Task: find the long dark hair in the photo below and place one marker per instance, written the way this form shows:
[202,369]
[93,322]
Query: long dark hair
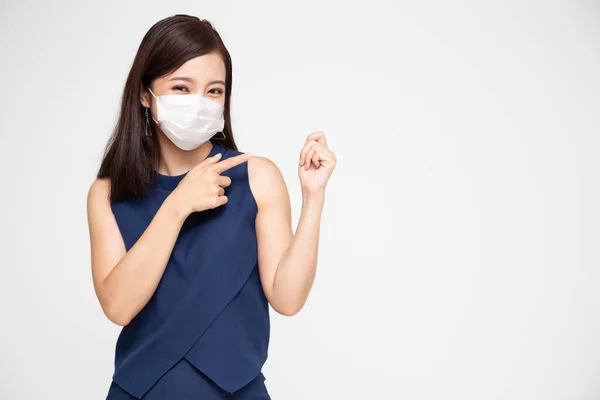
[131,158]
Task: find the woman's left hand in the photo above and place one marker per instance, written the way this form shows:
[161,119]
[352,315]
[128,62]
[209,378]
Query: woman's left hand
[315,165]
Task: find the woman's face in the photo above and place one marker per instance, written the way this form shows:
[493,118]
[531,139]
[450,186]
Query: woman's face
[201,75]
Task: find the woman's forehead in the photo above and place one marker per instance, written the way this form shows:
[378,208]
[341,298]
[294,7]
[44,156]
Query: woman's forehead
[200,70]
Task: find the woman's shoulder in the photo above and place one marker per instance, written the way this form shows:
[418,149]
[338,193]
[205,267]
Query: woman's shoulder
[99,186]
[265,179]
[98,192]
[261,168]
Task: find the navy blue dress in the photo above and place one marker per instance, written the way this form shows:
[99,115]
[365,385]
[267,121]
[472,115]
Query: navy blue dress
[205,330]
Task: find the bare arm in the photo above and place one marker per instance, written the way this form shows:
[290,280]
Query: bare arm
[125,281]
[287,261]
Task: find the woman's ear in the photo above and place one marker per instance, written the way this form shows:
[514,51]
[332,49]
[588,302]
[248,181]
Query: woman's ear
[144,97]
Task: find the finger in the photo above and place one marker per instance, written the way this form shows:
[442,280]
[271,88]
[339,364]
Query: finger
[221,191]
[309,156]
[317,158]
[223,181]
[319,137]
[221,200]
[323,157]
[326,154]
[208,161]
[230,162]
[305,150]
[313,146]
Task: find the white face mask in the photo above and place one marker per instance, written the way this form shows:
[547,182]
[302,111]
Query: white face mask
[188,120]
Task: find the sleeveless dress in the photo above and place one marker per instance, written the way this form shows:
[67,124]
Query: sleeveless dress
[205,330]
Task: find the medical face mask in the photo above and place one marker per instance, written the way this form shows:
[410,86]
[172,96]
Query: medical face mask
[188,120]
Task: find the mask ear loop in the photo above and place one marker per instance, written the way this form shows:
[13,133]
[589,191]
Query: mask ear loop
[223,138]
[148,133]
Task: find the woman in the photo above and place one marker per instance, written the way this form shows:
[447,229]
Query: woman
[191,239]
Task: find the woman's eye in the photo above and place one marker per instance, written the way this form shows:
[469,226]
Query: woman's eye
[180,88]
[218,91]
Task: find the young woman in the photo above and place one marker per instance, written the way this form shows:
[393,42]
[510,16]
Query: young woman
[191,239]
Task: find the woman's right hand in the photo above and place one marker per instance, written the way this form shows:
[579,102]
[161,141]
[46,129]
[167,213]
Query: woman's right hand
[202,188]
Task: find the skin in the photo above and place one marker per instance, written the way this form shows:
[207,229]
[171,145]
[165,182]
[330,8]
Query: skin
[125,281]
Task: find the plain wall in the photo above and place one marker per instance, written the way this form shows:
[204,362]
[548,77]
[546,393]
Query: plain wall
[459,253]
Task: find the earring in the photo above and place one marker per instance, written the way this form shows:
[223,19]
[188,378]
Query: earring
[147,123]
[221,138]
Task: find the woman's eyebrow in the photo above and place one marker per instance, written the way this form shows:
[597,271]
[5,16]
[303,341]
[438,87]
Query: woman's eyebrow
[182,78]
[217,81]
[192,80]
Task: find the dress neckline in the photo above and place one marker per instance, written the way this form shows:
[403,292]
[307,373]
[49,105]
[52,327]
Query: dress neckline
[170,182]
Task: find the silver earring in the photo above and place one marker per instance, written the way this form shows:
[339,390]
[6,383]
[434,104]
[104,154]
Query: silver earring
[221,138]
[147,123]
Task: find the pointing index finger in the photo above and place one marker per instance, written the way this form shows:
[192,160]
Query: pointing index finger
[231,162]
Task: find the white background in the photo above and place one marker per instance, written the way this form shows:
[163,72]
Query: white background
[459,253]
